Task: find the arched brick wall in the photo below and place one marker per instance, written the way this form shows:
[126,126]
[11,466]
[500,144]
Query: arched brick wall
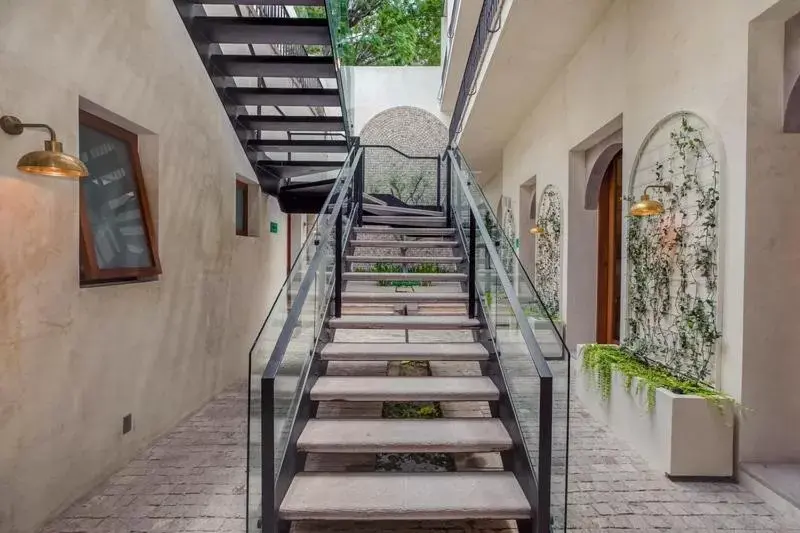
[415,132]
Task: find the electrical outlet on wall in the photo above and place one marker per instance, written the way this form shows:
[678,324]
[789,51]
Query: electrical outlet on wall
[127,423]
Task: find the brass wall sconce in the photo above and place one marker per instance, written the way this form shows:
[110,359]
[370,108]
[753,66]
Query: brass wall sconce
[646,207]
[52,161]
[536,230]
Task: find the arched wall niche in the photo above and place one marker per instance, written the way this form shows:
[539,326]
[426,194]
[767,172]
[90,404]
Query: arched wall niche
[548,250]
[671,298]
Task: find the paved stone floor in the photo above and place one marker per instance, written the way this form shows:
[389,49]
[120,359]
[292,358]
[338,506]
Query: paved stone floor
[193,480]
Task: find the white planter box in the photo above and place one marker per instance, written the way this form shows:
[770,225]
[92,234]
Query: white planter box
[683,436]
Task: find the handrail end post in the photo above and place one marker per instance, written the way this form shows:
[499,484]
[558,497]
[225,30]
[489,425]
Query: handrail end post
[471,279]
[339,261]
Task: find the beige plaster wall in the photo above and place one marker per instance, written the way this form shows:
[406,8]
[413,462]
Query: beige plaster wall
[74,361]
[644,60]
[771,280]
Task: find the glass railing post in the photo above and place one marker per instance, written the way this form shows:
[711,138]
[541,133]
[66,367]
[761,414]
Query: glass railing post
[338,260]
[359,177]
[449,190]
[545,452]
[438,182]
[269,512]
[472,280]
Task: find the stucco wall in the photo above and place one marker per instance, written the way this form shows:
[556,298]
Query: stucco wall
[644,60]
[377,89]
[771,281]
[74,361]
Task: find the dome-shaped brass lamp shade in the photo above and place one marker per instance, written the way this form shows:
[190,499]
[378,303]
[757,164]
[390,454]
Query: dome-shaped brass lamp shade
[52,161]
[646,207]
[536,230]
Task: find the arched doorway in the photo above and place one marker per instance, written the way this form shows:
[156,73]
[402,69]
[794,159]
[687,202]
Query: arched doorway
[609,254]
[527,220]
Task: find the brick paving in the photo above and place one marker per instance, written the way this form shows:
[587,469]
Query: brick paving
[193,480]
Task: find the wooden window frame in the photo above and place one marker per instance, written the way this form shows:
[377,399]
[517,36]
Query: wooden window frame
[245,231]
[91,273]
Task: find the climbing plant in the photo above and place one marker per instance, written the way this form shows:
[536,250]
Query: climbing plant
[548,250]
[507,254]
[672,291]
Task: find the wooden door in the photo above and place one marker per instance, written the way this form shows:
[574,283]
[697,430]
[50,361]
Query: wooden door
[609,254]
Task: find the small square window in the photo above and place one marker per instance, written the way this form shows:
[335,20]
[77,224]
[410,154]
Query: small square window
[242,215]
[117,238]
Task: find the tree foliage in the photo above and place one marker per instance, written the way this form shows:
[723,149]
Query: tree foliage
[389,32]
[394,32]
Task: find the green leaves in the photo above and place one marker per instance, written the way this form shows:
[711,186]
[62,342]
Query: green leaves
[394,33]
[672,261]
[603,360]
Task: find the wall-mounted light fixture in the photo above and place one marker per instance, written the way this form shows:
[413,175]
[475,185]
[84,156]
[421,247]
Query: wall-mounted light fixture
[52,161]
[646,207]
[536,230]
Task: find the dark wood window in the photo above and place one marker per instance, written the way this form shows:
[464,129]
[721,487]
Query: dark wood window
[241,208]
[117,233]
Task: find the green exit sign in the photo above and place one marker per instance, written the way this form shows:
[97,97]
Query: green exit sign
[273,227]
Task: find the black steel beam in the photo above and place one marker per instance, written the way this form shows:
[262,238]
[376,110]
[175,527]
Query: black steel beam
[283,97]
[290,123]
[253,66]
[261,30]
[283,145]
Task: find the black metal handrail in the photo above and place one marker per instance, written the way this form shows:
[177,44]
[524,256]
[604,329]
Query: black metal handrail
[457,159]
[539,492]
[436,158]
[294,315]
[341,199]
[484,29]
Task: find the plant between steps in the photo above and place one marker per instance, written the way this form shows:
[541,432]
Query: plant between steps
[423,268]
[413,462]
[601,360]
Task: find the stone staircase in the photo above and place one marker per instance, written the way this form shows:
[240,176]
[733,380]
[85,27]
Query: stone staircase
[452,495]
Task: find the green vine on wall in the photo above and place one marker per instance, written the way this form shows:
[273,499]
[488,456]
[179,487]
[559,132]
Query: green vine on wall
[548,250]
[672,258]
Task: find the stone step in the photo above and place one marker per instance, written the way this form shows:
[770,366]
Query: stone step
[426,232]
[403,389]
[404,351]
[403,244]
[404,276]
[402,220]
[400,259]
[391,210]
[405,496]
[404,297]
[440,322]
[444,435]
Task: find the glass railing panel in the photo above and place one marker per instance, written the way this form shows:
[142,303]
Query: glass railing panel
[289,374]
[525,372]
[341,39]
[548,332]
[281,354]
